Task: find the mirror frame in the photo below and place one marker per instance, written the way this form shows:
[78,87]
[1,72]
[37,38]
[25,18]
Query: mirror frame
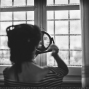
[44,49]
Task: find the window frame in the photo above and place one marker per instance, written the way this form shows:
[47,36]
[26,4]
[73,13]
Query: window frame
[40,9]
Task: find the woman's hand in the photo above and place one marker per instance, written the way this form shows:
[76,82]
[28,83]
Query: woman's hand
[54,49]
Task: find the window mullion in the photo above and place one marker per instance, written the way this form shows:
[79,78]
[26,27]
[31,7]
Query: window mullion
[40,13]
[40,20]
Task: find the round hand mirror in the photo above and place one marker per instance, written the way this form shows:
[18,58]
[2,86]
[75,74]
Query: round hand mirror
[45,42]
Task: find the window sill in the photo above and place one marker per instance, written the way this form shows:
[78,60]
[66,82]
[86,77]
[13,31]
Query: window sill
[74,75]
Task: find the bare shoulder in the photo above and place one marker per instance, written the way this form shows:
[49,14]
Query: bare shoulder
[10,73]
[45,70]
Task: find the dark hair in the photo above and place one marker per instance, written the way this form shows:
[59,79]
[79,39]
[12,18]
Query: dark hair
[22,40]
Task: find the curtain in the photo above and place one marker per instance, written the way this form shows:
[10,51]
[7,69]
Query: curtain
[84,6]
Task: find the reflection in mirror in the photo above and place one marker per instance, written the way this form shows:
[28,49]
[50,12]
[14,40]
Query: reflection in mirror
[46,40]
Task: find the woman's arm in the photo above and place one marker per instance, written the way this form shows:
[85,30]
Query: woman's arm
[59,61]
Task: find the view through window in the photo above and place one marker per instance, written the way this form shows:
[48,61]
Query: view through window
[64,26]
[9,17]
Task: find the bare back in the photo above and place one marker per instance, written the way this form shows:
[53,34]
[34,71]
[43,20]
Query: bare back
[30,73]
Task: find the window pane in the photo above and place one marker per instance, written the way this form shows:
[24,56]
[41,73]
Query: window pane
[3,42]
[75,58]
[6,15]
[50,60]
[49,2]
[5,61]
[50,27]
[4,25]
[75,27]
[61,14]
[64,55]
[46,40]
[74,1]
[30,2]
[30,22]
[20,22]
[74,14]
[30,15]
[19,2]
[61,27]
[61,1]
[19,15]
[50,15]
[4,54]
[61,42]
[75,42]
[6,2]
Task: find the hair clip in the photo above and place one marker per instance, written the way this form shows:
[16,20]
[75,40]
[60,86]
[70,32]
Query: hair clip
[10,28]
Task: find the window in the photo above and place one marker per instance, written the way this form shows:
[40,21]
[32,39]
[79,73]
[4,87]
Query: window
[60,18]
[63,24]
[13,12]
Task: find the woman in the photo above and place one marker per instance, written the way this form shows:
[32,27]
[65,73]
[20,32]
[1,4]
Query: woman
[23,40]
